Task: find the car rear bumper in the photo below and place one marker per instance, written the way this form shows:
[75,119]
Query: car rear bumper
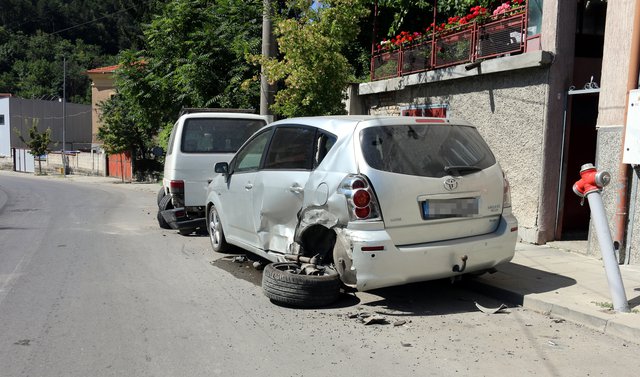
[177,219]
[407,264]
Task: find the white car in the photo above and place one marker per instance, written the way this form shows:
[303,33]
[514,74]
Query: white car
[364,201]
[199,139]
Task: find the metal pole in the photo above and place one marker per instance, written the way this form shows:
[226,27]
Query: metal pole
[64,113]
[599,218]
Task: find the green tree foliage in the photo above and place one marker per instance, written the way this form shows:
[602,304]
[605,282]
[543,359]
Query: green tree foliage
[38,143]
[35,35]
[313,69]
[194,57]
[31,66]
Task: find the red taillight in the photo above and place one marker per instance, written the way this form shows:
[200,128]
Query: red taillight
[362,213]
[361,198]
[176,187]
[358,184]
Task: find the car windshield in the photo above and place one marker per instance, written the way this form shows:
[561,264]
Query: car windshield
[425,150]
[217,135]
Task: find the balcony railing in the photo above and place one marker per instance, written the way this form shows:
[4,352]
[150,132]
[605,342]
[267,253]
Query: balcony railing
[466,44]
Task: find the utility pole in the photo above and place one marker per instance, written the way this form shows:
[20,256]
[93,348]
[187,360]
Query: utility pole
[64,113]
[267,90]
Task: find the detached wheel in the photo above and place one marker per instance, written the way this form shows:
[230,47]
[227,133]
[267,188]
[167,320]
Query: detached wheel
[216,234]
[282,283]
[165,204]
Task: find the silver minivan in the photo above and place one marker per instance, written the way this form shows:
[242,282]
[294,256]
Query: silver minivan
[368,202]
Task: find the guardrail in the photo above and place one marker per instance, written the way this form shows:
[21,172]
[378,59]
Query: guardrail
[465,44]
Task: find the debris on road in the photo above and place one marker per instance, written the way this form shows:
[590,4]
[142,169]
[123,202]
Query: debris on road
[491,310]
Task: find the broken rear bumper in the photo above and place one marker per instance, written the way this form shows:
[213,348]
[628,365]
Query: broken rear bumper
[177,218]
[397,265]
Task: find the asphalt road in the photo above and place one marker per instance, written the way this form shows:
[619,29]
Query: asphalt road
[90,286]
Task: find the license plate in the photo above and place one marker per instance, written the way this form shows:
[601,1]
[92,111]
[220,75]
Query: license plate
[446,208]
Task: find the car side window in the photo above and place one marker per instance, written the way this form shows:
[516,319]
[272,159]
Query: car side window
[323,144]
[291,148]
[248,158]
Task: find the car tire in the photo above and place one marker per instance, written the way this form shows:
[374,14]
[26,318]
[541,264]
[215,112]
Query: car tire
[165,204]
[161,194]
[283,285]
[216,233]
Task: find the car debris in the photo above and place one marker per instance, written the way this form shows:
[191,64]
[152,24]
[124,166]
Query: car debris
[375,320]
[491,310]
[240,259]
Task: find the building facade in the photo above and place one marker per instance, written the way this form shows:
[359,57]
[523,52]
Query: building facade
[545,110]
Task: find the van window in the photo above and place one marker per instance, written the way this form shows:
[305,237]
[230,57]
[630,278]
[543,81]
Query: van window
[217,135]
[425,150]
[172,138]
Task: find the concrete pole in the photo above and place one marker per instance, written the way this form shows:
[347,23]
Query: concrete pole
[267,90]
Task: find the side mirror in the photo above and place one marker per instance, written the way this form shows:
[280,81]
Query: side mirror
[222,167]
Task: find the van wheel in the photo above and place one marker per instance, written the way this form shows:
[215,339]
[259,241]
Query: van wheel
[283,284]
[161,195]
[216,234]
[165,204]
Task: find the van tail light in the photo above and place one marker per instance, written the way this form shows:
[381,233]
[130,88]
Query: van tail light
[361,200]
[506,197]
[176,188]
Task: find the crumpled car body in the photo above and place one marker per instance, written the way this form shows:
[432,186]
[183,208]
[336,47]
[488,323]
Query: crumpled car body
[382,200]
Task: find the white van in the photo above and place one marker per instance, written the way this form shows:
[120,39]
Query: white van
[199,139]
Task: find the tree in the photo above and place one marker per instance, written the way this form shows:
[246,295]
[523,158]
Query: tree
[313,69]
[194,57]
[38,143]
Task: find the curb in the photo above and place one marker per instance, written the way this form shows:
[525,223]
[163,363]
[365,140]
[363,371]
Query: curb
[613,324]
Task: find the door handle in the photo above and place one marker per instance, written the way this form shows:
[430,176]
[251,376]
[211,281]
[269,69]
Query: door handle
[248,186]
[296,189]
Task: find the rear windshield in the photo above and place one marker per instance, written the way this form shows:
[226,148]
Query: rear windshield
[209,135]
[426,150]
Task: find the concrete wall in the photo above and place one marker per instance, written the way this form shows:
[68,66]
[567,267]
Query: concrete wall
[611,113]
[86,163]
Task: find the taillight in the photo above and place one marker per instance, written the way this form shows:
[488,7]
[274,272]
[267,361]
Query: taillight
[506,197]
[361,201]
[361,198]
[176,187]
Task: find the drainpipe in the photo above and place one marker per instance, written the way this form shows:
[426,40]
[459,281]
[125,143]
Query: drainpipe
[622,211]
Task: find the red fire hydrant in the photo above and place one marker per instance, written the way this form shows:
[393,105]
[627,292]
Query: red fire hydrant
[590,184]
[591,180]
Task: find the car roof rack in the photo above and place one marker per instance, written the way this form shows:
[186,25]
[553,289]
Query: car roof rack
[190,110]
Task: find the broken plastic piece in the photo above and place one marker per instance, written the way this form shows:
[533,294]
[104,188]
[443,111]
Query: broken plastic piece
[375,320]
[491,310]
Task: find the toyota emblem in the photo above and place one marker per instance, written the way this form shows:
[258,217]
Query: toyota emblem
[450,184]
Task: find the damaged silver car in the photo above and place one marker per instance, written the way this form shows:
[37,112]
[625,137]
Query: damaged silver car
[368,202]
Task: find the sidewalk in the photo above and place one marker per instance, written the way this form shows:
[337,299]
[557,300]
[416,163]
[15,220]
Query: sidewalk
[568,285]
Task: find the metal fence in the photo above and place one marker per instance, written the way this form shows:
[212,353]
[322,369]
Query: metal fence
[466,44]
